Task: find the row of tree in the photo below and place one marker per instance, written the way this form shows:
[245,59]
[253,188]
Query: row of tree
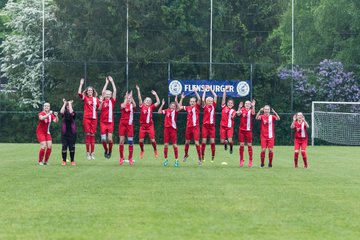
[88,38]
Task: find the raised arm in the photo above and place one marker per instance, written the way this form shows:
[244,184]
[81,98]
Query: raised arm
[203,96]
[101,99]
[70,102]
[306,123]
[276,115]
[161,107]
[62,110]
[197,95]
[132,99]
[181,101]
[293,122]
[123,104]
[214,95]
[105,86]
[241,104]
[113,86]
[139,95]
[223,101]
[253,102]
[258,114]
[157,103]
[80,87]
[56,117]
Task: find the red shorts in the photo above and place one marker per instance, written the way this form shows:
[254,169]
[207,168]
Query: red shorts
[267,142]
[106,127]
[126,129]
[226,132]
[170,133]
[208,130]
[42,137]
[146,129]
[300,143]
[192,133]
[90,125]
[245,136]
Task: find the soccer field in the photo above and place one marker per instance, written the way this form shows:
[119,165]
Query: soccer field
[102,200]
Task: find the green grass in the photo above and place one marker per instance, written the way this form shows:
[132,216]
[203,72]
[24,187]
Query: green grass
[101,200]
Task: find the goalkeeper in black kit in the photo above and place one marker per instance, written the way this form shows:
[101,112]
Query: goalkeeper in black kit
[68,131]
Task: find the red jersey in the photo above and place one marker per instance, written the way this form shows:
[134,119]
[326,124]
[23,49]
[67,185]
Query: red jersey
[127,114]
[146,114]
[107,111]
[245,119]
[170,118]
[227,116]
[267,126]
[192,115]
[209,114]
[91,104]
[300,130]
[44,125]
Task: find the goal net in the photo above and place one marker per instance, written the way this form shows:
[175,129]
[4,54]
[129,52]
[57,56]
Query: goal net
[336,122]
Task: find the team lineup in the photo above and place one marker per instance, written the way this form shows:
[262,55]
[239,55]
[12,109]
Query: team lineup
[105,103]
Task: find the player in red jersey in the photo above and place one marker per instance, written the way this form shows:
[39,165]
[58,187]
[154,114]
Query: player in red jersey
[227,121]
[245,129]
[209,118]
[107,105]
[267,132]
[126,126]
[91,104]
[146,121]
[192,124]
[300,125]
[43,133]
[170,129]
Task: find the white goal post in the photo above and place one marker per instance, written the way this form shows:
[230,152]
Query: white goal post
[336,122]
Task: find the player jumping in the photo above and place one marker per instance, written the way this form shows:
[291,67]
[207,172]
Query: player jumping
[146,121]
[107,105]
[227,121]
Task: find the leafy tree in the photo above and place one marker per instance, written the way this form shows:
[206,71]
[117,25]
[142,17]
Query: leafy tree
[21,61]
[323,30]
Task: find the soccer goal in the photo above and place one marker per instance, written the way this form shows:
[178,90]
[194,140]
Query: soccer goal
[336,122]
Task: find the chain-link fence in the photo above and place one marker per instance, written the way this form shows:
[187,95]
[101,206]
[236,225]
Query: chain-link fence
[18,123]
